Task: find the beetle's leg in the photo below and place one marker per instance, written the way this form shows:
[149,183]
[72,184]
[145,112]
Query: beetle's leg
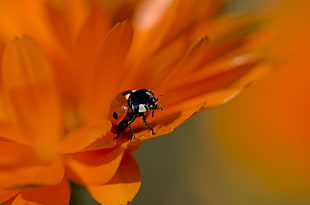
[146,124]
[132,135]
[131,120]
[125,123]
[117,136]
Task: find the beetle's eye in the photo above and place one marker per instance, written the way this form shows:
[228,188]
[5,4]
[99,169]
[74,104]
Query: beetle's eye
[115,116]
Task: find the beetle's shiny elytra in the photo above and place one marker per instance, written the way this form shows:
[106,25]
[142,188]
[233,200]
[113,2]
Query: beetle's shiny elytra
[129,105]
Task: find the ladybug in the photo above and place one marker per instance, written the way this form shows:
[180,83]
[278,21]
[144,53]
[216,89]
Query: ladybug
[129,105]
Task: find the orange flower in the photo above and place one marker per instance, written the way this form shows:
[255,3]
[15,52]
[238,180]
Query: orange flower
[63,62]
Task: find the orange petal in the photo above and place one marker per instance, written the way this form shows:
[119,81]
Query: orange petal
[64,20]
[204,13]
[82,137]
[6,195]
[32,176]
[51,195]
[207,100]
[165,121]
[109,71]
[123,187]
[13,155]
[195,57]
[3,111]
[94,167]
[14,20]
[257,73]
[35,25]
[227,62]
[235,78]
[102,143]
[71,13]
[9,132]
[182,103]
[161,64]
[191,59]
[219,89]
[30,89]
[95,28]
[152,22]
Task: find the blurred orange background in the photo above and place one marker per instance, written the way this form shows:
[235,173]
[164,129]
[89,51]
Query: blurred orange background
[267,127]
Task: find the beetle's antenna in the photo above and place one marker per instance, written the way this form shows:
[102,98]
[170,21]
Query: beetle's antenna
[157,108]
[158,97]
